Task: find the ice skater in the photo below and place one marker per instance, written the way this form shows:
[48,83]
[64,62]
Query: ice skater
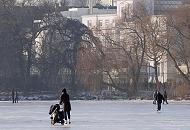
[16,96]
[13,95]
[159,99]
[165,97]
[155,96]
[66,105]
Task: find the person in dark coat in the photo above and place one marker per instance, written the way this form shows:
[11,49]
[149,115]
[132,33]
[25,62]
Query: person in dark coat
[66,103]
[155,96]
[13,95]
[16,96]
[159,99]
[165,97]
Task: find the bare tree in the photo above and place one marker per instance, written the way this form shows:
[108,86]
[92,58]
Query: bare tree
[156,28]
[62,42]
[178,40]
[129,56]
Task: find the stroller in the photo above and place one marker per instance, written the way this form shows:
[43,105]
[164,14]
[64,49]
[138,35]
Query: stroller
[56,114]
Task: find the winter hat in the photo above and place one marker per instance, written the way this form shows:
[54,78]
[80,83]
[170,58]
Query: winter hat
[64,90]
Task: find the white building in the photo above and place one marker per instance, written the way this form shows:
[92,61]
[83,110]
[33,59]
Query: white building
[128,7]
[100,21]
[109,2]
[78,13]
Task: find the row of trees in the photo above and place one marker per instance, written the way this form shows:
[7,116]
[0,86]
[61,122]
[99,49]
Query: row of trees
[40,49]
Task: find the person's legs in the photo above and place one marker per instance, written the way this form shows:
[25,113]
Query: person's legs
[65,115]
[159,106]
[69,116]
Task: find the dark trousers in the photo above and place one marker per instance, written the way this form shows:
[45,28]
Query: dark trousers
[67,113]
[159,106]
[13,100]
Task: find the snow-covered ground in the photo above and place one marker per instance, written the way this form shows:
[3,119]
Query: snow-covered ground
[97,115]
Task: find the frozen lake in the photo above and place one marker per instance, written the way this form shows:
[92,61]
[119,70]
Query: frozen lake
[97,115]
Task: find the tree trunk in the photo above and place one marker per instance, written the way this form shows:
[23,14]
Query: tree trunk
[156,74]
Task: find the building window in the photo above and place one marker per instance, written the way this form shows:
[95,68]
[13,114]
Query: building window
[113,23]
[89,23]
[100,23]
[107,22]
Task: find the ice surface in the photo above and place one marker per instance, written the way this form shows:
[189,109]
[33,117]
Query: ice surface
[97,115]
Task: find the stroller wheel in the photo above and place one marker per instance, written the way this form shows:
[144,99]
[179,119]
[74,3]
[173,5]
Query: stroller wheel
[52,122]
[62,122]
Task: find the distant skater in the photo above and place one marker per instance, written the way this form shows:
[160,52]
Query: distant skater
[155,96]
[165,97]
[13,95]
[16,96]
[66,103]
[159,99]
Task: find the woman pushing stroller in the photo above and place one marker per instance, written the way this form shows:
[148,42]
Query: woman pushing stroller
[65,101]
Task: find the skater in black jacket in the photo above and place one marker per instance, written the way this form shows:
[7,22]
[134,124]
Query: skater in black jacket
[159,99]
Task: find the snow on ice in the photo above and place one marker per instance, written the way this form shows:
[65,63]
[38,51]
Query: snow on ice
[97,115]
